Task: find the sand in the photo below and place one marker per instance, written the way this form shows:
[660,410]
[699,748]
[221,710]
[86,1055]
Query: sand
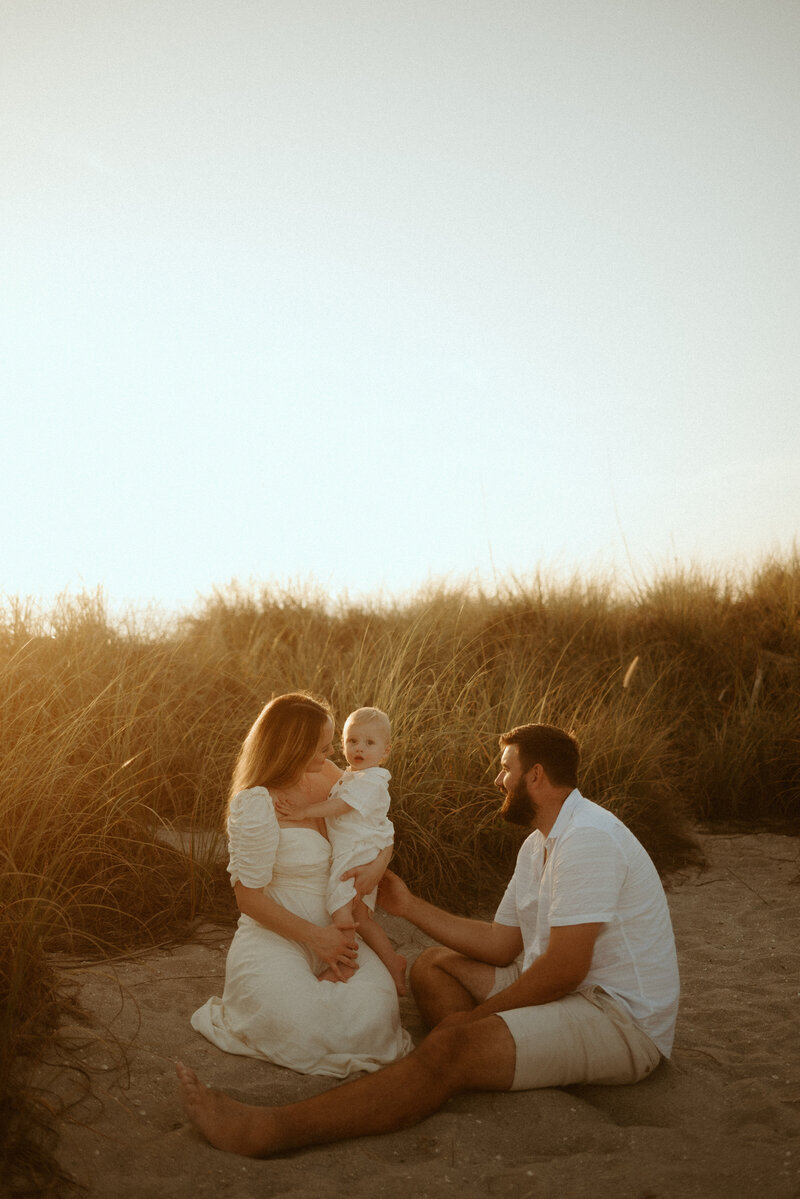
[722,1118]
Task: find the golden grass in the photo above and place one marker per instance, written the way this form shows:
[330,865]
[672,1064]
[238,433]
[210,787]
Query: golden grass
[684,697]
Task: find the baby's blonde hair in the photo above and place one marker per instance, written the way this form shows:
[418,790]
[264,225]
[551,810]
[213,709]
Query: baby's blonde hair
[367,716]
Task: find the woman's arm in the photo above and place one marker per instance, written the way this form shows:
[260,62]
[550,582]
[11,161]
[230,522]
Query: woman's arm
[334,945]
[557,972]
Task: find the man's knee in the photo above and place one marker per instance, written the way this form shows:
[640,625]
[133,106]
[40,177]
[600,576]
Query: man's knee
[432,967]
[437,964]
[430,959]
[443,1050]
[478,1055]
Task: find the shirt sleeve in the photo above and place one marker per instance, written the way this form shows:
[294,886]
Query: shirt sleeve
[507,908]
[588,872]
[253,835]
[508,911]
[368,797]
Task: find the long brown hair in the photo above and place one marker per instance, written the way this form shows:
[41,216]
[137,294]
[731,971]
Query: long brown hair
[281,742]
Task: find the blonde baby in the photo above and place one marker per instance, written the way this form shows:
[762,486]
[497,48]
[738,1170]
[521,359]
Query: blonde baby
[355,813]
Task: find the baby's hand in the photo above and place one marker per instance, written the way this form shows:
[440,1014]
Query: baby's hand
[287,810]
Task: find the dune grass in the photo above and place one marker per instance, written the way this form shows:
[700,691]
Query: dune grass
[684,697]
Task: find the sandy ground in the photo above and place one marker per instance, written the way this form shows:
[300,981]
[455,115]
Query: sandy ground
[722,1118]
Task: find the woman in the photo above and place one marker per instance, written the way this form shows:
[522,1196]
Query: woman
[274,1005]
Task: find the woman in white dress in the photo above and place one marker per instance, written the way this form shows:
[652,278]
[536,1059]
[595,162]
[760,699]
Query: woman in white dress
[274,1005]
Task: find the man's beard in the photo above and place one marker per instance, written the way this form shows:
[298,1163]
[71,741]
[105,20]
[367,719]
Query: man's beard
[518,807]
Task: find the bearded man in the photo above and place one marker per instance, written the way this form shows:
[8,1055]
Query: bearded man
[574,981]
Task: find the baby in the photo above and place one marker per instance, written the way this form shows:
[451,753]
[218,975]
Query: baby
[359,828]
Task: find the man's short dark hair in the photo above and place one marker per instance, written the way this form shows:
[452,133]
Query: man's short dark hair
[548,746]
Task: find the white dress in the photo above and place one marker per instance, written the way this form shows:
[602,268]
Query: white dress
[273,1006]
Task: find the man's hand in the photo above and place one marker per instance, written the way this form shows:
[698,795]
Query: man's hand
[393,895]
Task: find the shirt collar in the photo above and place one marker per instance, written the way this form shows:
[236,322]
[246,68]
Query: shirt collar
[564,816]
[373,772]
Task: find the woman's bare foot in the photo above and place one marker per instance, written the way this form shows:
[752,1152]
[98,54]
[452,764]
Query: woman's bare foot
[397,969]
[226,1124]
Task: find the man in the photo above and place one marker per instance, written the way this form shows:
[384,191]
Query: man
[594,998]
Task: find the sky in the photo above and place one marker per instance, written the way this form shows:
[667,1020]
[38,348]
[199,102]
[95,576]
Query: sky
[371,293]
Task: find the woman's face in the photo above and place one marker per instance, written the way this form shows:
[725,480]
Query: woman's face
[324,749]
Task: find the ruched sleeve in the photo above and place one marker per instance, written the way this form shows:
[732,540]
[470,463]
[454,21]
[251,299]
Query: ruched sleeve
[253,835]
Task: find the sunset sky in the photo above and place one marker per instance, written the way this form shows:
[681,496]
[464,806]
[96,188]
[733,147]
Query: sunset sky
[372,292]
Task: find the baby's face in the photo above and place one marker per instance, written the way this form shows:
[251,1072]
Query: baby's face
[364,745]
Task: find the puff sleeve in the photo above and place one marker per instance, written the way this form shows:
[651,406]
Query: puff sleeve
[253,835]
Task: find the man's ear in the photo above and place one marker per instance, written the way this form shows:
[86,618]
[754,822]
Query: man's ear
[534,774]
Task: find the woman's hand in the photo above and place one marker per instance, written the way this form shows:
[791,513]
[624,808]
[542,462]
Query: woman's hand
[393,894]
[337,947]
[366,878]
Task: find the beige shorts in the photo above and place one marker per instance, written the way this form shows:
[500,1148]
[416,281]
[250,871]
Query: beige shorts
[584,1037]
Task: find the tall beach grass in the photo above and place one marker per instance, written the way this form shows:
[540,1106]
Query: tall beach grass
[113,734]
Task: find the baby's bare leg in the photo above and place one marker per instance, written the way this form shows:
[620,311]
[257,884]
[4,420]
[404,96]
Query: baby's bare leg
[378,941]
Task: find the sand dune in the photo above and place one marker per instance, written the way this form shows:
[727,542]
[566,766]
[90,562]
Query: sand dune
[721,1119]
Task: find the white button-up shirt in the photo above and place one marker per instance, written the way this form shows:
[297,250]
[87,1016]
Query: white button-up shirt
[597,872]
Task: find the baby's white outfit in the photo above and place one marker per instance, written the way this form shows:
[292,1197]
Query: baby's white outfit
[359,835]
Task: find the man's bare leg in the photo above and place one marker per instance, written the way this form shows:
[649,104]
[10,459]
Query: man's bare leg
[479,1056]
[444,981]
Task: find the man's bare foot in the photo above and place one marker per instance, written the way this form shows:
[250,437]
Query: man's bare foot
[226,1124]
[397,969]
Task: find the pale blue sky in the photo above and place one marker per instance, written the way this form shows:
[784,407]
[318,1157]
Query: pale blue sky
[371,292]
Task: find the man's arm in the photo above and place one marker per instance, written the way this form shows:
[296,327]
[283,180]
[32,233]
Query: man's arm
[497,944]
[557,972]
